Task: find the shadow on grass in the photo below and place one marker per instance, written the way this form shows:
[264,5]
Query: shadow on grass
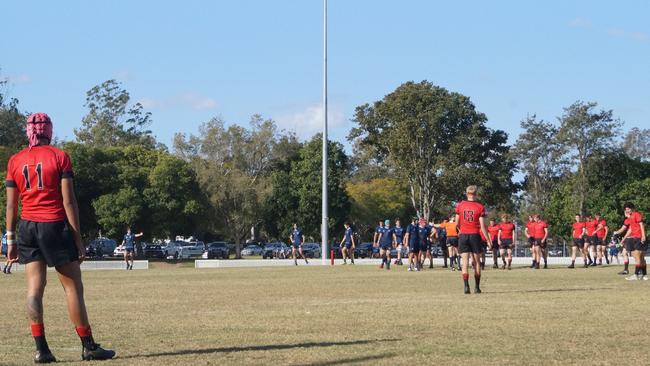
[553,290]
[345,361]
[268,347]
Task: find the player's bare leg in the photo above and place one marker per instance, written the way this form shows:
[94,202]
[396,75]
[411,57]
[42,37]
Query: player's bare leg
[502,252]
[509,258]
[36,274]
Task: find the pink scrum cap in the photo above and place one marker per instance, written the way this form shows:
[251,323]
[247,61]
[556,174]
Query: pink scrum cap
[39,125]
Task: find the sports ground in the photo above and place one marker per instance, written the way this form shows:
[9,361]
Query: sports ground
[343,315]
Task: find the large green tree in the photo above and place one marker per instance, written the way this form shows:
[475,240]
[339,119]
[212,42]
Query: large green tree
[438,142]
[586,134]
[112,120]
[540,157]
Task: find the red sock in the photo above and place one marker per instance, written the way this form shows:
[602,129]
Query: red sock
[465,276]
[626,262]
[38,330]
[84,331]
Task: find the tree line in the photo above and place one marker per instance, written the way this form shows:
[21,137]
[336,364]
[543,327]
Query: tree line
[412,152]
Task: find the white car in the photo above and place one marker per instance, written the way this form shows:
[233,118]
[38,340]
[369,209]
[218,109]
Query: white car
[191,250]
[119,251]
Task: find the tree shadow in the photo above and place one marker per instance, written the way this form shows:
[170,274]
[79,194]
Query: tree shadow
[268,347]
[350,360]
[553,290]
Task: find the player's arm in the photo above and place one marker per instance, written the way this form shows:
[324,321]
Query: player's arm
[72,214]
[619,231]
[11,214]
[456,221]
[642,231]
[290,238]
[499,237]
[303,240]
[526,232]
[481,220]
[139,235]
[354,241]
[545,234]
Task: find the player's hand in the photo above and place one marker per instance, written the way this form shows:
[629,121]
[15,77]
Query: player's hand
[82,253]
[12,253]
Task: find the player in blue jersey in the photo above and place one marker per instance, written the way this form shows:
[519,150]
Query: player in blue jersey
[7,267]
[424,237]
[411,238]
[297,238]
[348,244]
[399,238]
[128,243]
[378,230]
[386,243]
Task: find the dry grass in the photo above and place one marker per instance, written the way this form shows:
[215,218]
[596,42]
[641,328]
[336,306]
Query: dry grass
[344,315]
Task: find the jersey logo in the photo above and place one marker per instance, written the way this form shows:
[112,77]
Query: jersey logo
[468,215]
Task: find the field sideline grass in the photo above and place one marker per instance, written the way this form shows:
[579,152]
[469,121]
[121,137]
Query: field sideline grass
[343,315]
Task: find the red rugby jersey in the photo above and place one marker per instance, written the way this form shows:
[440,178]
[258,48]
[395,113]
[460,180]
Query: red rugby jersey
[494,231]
[577,229]
[37,174]
[601,233]
[633,223]
[531,228]
[591,227]
[538,232]
[469,213]
[507,229]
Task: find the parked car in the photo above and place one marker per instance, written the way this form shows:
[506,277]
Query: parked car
[190,250]
[217,249]
[101,246]
[252,249]
[364,250]
[336,247]
[94,252]
[119,251]
[311,250]
[172,249]
[276,250]
[153,251]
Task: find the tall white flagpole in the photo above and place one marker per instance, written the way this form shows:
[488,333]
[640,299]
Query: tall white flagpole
[324,233]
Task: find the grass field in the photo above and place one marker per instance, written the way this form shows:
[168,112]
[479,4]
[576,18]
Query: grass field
[343,315]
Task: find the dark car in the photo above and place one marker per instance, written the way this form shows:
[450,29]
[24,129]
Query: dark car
[364,250]
[153,251]
[218,249]
[275,250]
[94,252]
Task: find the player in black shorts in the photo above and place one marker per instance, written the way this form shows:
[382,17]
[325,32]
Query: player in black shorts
[40,178]
[470,216]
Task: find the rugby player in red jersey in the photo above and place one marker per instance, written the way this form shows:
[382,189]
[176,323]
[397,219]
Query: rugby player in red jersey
[635,240]
[40,177]
[591,240]
[540,233]
[529,230]
[493,230]
[578,234]
[601,234]
[505,240]
[470,216]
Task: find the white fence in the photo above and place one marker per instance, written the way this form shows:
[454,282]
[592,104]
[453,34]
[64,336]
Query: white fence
[95,265]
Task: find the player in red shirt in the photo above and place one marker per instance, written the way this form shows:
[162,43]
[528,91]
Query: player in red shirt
[591,240]
[505,240]
[40,177]
[493,230]
[635,240]
[529,230]
[601,234]
[470,218]
[578,233]
[540,233]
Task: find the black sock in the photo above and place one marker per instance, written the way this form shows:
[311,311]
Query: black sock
[477,278]
[41,344]
[644,270]
[626,266]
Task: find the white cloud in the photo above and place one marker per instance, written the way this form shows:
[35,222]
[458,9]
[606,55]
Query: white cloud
[193,101]
[621,33]
[580,23]
[19,79]
[308,121]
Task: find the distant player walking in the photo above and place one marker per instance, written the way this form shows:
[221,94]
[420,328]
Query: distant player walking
[399,239]
[540,233]
[578,229]
[386,242]
[451,228]
[347,244]
[493,230]
[128,243]
[470,217]
[411,239]
[6,269]
[297,238]
[529,231]
[635,240]
[41,178]
[601,235]
[505,239]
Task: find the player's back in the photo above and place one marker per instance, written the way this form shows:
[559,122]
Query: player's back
[37,174]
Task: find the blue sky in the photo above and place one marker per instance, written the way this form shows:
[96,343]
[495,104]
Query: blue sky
[189,61]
